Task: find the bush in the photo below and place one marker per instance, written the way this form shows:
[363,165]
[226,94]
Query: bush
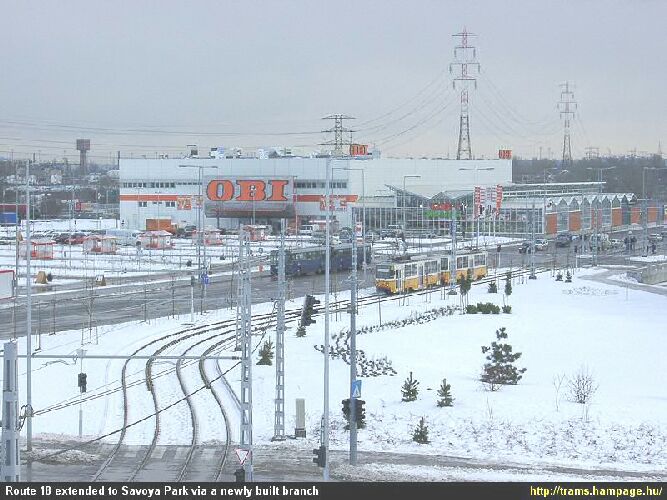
[487,308]
[266,353]
[301,331]
[507,309]
[410,389]
[500,369]
[582,386]
[559,276]
[445,394]
[568,277]
[508,283]
[471,309]
[49,277]
[493,288]
[420,434]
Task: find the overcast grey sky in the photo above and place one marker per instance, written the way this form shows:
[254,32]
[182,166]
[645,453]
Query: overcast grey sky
[266,67]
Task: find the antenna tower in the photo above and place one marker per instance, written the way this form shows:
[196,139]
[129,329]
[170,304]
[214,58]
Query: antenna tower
[338,131]
[465,60]
[566,106]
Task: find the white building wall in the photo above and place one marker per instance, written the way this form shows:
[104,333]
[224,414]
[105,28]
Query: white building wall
[155,180]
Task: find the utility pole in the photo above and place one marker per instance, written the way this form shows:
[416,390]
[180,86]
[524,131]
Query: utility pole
[28,251]
[353,354]
[246,354]
[566,106]
[465,60]
[279,423]
[325,351]
[532,275]
[10,466]
[338,131]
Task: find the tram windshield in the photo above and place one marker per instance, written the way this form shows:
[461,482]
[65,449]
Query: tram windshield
[384,272]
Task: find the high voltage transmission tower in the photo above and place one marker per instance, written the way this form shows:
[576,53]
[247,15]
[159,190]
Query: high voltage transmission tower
[465,60]
[566,106]
[338,131]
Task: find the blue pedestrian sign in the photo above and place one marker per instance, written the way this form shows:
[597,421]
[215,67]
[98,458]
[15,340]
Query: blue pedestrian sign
[356,389]
[205,279]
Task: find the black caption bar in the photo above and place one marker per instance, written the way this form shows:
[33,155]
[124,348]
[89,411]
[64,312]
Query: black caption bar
[332,490]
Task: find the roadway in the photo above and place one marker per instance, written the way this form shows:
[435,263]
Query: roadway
[169,294]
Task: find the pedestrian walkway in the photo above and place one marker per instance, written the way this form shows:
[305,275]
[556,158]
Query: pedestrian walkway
[603,277]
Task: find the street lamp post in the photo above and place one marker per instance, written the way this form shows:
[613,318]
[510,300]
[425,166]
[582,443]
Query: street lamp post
[598,213]
[363,211]
[645,214]
[408,176]
[200,206]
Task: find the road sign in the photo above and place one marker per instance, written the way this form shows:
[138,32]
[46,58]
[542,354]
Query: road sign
[242,455]
[356,389]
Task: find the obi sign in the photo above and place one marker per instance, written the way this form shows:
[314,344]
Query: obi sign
[241,197]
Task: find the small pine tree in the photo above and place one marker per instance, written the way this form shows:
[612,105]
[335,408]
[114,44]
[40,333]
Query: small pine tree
[445,394]
[559,276]
[508,283]
[409,389]
[301,331]
[568,277]
[500,369]
[266,353]
[420,434]
[493,288]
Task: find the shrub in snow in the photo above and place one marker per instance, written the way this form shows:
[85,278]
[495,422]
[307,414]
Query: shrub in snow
[582,386]
[445,394]
[559,276]
[488,308]
[465,284]
[266,353]
[409,389]
[568,277]
[500,369]
[420,434]
[49,277]
[471,309]
[301,331]
[508,283]
[507,309]
[493,288]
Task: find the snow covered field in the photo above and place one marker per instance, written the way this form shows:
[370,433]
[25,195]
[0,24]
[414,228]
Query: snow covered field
[558,327]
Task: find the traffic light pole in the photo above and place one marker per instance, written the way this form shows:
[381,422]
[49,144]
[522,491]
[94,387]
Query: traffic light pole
[353,353]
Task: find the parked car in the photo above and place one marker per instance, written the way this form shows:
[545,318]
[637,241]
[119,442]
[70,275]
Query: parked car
[563,240]
[391,231]
[541,244]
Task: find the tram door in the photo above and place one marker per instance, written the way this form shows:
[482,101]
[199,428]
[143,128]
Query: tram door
[399,278]
[420,274]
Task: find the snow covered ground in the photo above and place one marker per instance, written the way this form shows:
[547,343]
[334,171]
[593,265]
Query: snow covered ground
[558,327]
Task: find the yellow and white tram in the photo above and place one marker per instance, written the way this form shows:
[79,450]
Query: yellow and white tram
[423,272]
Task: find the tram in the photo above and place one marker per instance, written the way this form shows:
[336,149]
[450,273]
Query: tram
[311,260]
[419,273]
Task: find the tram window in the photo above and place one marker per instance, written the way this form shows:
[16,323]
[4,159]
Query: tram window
[462,262]
[431,266]
[410,270]
[480,260]
[384,272]
[444,264]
